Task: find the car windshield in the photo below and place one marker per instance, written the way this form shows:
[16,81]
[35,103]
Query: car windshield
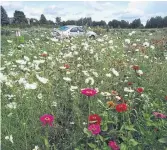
[63,28]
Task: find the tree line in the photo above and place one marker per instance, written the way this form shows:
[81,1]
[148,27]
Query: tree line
[20,19]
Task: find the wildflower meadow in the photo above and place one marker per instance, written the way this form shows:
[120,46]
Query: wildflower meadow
[107,93]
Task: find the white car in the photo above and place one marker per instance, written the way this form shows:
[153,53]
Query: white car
[72,31]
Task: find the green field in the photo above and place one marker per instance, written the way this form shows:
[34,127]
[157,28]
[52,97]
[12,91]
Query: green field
[41,75]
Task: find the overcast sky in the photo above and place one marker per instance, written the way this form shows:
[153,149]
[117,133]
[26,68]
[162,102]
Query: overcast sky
[103,10]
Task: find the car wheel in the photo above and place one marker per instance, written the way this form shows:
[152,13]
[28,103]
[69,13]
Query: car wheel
[92,37]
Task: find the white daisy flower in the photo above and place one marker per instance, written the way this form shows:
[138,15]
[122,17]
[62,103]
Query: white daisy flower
[79,65]
[86,73]
[127,41]
[115,72]
[10,138]
[12,105]
[76,53]
[73,88]
[41,79]
[54,39]
[95,74]
[72,123]
[28,86]
[39,96]
[89,79]
[111,42]
[22,81]
[62,67]
[140,72]
[108,75]
[9,41]
[146,44]
[67,79]
[36,148]
[105,93]
[21,62]
[152,47]
[54,104]
[3,78]
[26,58]
[129,90]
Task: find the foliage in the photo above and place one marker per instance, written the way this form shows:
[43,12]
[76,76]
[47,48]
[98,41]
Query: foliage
[19,18]
[42,20]
[71,65]
[4,17]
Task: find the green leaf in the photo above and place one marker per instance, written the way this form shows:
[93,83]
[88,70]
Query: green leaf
[105,127]
[86,131]
[92,145]
[123,146]
[133,142]
[130,128]
[163,140]
[101,138]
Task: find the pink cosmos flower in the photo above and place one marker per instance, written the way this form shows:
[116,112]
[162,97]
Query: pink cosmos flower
[94,128]
[47,119]
[113,145]
[159,115]
[89,92]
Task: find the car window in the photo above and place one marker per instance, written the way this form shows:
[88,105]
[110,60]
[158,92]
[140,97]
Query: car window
[75,29]
[80,29]
[63,28]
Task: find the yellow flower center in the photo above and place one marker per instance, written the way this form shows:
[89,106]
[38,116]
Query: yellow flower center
[47,118]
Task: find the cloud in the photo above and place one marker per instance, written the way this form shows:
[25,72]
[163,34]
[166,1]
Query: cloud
[12,6]
[53,10]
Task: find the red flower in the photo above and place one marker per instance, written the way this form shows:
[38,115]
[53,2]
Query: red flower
[166,97]
[94,119]
[135,67]
[89,92]
[113,145]
[44,54]
[130,83]
[121,107]
[47,119]
[94,128]
[67,66]
[140,90]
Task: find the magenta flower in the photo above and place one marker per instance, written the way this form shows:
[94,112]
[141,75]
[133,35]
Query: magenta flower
[159,115]
[47,119]
[113,145]
[89,92]
[94,128]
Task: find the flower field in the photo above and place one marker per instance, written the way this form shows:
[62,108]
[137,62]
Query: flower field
[82,94]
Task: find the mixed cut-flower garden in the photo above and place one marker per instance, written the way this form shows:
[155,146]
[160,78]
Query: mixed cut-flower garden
[109,93]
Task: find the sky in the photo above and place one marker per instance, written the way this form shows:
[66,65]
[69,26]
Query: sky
[97,10]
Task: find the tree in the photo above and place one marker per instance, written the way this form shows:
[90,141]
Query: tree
[4,17]
[58,20]
[136,23]
[124,24]
[51,22]
[165,21]
[19,18]
[114,23]
[155,22]
[34,21]
[43,20]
